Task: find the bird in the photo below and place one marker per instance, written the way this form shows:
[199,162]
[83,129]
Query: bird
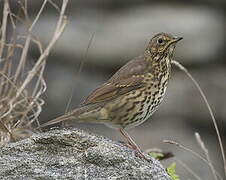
[132,94]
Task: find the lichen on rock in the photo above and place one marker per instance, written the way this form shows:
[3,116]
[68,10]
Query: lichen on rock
[74,154]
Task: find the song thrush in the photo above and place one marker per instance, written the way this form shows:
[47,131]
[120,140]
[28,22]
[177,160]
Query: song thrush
[132,94]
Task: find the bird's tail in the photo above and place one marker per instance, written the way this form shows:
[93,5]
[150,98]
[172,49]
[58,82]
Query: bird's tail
[81,114]
[62,118]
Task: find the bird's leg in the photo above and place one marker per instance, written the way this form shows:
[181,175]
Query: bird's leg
[132,144]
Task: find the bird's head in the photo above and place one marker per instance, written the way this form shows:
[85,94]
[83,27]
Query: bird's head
[162,44]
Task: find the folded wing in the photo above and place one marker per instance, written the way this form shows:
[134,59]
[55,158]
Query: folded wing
[126,79]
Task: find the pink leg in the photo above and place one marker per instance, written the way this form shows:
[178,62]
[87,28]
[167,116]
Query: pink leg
[132,144]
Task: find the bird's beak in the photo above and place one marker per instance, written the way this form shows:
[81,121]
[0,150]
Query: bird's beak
[176,39]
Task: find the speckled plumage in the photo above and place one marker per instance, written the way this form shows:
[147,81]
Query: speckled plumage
[136,106]
[133,93]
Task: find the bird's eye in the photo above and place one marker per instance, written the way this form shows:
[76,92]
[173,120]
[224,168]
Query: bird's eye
[160,41]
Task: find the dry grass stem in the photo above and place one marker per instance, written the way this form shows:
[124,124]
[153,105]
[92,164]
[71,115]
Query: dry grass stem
[192,152]
[202,145]
[22,85]
[186,149]
[3,27]
[181,67]
[79,71]
[185,166]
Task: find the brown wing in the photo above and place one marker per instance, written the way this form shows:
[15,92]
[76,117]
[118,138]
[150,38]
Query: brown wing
[127,78]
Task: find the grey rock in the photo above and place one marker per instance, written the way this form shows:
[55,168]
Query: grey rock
[74,154]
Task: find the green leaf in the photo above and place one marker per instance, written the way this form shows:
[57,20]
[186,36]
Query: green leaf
[156,155]
[171,170]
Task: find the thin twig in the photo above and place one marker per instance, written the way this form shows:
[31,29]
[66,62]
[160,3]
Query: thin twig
[23,57]
[19,106]
[181,67]
[186,149]
[202,145]
[4,25]
[45,53]
[79,72]
[12,20]
[37,16]
[54,5]
[185,166]
[28,39]
[190,151]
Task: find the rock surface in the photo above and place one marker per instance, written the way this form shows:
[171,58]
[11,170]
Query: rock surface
[74,154]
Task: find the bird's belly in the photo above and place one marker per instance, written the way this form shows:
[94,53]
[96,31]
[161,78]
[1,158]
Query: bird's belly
[135,107]
[147,108]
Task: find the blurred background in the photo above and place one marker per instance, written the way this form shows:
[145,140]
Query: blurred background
[116,31]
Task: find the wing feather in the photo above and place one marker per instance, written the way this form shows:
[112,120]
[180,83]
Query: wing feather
[126,79]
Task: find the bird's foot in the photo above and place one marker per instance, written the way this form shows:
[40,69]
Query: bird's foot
[141,155]
[136,150]
[132,145]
